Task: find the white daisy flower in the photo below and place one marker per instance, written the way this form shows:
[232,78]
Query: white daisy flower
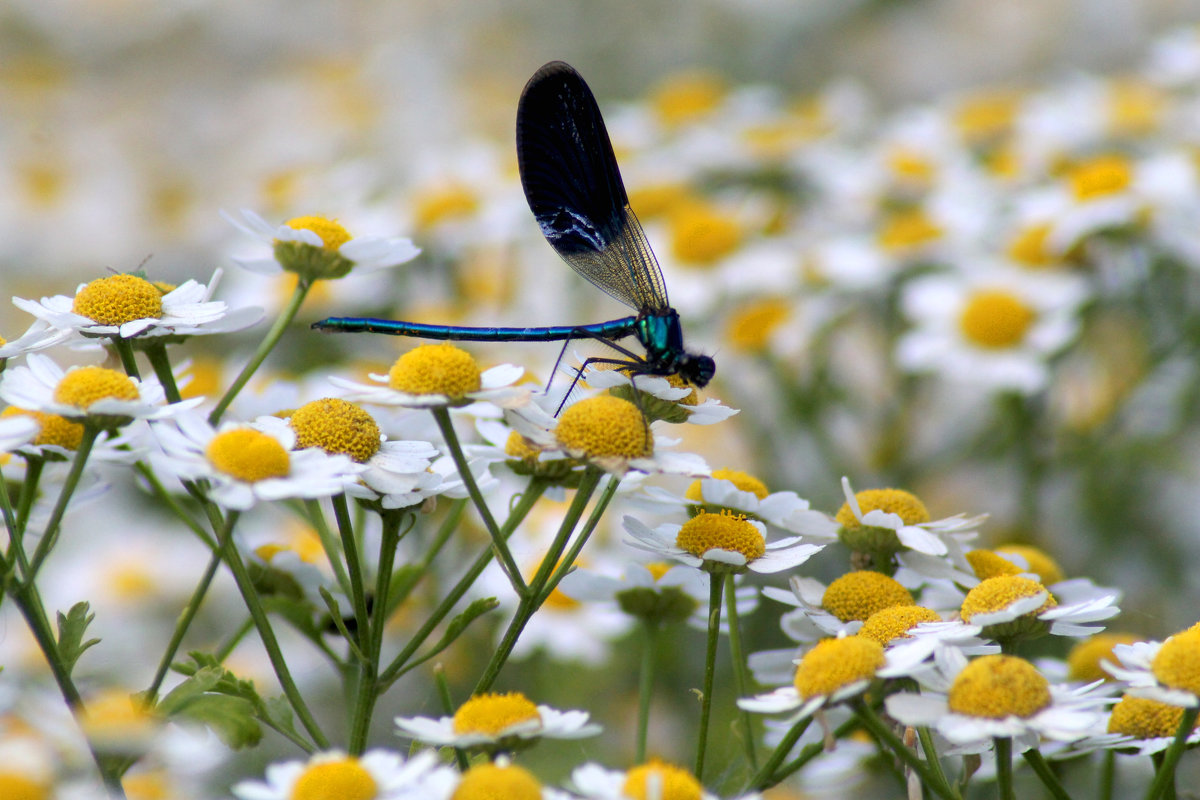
[998,696]
[125,306]
[499,778]
[96,394]
[1162,671]
[679,402]
[38,336]
[244,464]
[1010,607]
[917,532]
[435,375]
[497,722]
[299,242]
[1137,725]
[376,775]
[914,653]
[654,779]
[838,609]
[720,543]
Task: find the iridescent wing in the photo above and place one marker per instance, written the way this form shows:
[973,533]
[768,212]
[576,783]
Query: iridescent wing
[574,188]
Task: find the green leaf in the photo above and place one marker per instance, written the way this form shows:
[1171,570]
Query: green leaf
[71,628]
[232,719]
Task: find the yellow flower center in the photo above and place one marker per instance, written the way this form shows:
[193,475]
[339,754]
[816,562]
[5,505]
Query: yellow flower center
[910,165]
[605,426]
[498,782]
[995,319]
[749,327]
[340,779]
[835,663]
[894,623]
[657,569]
[17,786]
[206,380]
[687,95]
[998,593]
[450,201]
[723,531]
[248,455]
[518,447]
[55,429]
[906,230]
[1177,663]
[336,426]
[84,386]
[1135,108]
[1029,246]
[701,235]
[154,785]
[859,594]
[999,686]
[987,114]
[1039,562]
[1143,718]
[1100,176]
[118,299]
[113,716]
[658,780]
[1083,662]
[742,480]
[332,234]
[649,202]
[903,504]
[435,369]
[492,713]
[987,564]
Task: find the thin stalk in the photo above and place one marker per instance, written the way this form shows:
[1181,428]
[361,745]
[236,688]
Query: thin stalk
[222,652]
[1108,774]
[740,672]
[125,352]
[715,586]
[1002,746]
[171,503]
[182,625]
[1164,776]
[266,634]
[870,720]
[264,349]
[50,535]
[446,425]
[33,475]
[354,568]
[763,778]
[156,352]
[1034,758]
[807,754]
[931,754]
[439,675]
[650,637]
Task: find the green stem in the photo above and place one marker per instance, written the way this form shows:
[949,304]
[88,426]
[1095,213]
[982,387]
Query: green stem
[403,588]
[241,576]
[740,672]
[1004,768]
[50,535]
[1164,776]
[15,554]
[1108,774]
[764,777]
[646,685]
[537,592]
[715,586]
[167,499]
[182,625]
[931,754]
[809,753]
[354,567]
[443,687]
[125,352]
[33,476]
[530,497]
[446,425]
[222,652]
[567,562]
[1035,759]
[870,720]
[264,349]
[156,352]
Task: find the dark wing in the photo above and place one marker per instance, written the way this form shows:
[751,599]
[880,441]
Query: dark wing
[574,188]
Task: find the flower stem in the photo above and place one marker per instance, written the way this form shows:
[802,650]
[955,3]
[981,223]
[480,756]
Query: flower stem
[1164,776]
[871,721]
[125,353]
[50,535]
[446,425]
[764,777]
[646,684]
[715,586]
[354,567]
[1004,771]
[741,678]
[264,349]
[182,625]
[1034,758]
[156,352]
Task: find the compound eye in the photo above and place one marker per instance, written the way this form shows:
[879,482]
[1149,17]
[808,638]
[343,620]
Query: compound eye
[699,370]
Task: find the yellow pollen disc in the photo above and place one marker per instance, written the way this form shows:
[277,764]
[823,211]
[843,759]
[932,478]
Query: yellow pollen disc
[205,374]
[1039,562]
[911,165]
[701,235]
[1029,246]
[1100,176]
[706,531]
[343,779]
[857,595]
[336,426]
[686,95]
[435,369]
[114,715]
[332,234]
[1143,718]
[742,480]
[55,429]
[154,785]
[987,115]
[519,447]
[1083,662]
[677,382]
[492,713]
[16,786]
[452,201]
[995,319]
[1177,663]
[1135,108]
[118,299]
[749,327]
[998,593]
[605,426]
[657,569]
[906,230]
[248,455]
[84,386]
[986,564]
[995,687]
[496,782]
[834,663]
[649,202]
[894,623]
[671,782]
[903,504]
